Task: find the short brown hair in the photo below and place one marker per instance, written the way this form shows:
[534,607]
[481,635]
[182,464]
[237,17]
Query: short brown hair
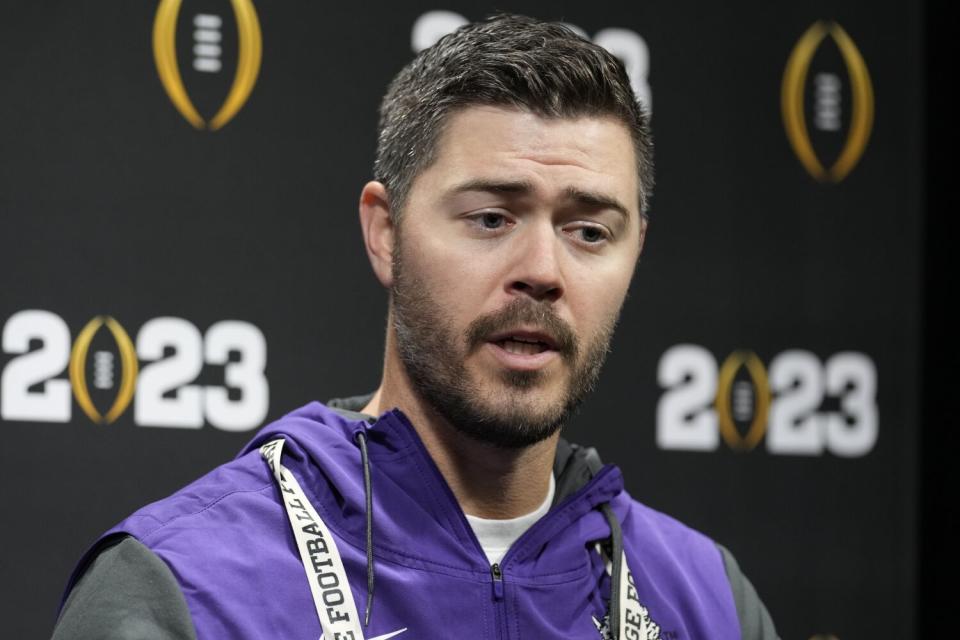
[505,60]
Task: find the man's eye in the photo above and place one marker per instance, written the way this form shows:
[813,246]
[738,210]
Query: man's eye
[491,220]
[591,234]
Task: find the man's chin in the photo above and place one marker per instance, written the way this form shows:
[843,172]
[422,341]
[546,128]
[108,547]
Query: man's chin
[530,391]
[510,431]
[514,418]
[523,382]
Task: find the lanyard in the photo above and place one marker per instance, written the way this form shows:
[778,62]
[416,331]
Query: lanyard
[635,621]
[318,551]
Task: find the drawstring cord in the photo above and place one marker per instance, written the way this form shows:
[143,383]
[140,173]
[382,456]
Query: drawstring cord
[616,538]
[368,494]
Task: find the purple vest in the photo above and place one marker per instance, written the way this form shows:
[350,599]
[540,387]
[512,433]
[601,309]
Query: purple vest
[228,542]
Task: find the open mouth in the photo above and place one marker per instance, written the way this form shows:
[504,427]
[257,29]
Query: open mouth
[525,342]
[523,346]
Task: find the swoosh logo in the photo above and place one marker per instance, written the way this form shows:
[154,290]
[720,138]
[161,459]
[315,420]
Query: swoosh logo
[383,637]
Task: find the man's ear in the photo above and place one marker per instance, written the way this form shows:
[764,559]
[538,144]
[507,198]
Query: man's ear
[644,223]
[378,230]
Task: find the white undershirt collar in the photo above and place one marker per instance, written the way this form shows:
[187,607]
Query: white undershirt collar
[496,536]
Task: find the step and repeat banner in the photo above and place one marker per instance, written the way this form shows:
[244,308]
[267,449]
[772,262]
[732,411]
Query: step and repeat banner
[181,262]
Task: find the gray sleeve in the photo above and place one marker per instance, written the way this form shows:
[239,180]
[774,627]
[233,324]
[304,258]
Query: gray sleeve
[755,621]
[127,593]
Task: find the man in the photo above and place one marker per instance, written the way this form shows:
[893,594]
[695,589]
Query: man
[513,175]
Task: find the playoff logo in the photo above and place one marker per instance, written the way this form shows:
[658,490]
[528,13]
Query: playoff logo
[798,404]
[207,52]
[838,96]
[158,373]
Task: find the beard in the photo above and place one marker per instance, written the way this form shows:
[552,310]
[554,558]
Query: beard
[513,415]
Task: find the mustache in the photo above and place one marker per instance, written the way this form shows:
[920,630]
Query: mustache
[527,313]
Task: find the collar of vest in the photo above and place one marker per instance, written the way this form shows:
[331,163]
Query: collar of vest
[409,490]
[574,466]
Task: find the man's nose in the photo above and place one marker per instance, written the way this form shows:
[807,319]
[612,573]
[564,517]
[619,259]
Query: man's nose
[537,270]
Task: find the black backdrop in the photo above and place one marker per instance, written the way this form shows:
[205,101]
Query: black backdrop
[114,205]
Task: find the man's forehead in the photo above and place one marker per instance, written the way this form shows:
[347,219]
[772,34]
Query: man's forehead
[492,144]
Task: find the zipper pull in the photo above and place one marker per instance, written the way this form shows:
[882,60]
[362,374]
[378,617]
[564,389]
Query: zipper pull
[497,581]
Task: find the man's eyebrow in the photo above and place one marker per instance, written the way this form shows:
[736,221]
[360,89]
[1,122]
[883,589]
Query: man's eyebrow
[589,199]
[595,200]
[494,186]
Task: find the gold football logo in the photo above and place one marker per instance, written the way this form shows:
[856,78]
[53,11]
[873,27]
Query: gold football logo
[758,375]
[792,102]
[250,46]
[78,377]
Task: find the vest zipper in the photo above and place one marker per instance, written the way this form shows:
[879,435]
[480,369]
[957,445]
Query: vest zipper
[497,581]
[496,569]
[500,609]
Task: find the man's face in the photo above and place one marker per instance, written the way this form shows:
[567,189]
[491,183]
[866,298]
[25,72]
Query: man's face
[513,258]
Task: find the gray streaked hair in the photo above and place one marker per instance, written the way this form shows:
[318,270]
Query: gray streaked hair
[505,60]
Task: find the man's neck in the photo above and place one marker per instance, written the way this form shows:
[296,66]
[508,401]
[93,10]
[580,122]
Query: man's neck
[488,481]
